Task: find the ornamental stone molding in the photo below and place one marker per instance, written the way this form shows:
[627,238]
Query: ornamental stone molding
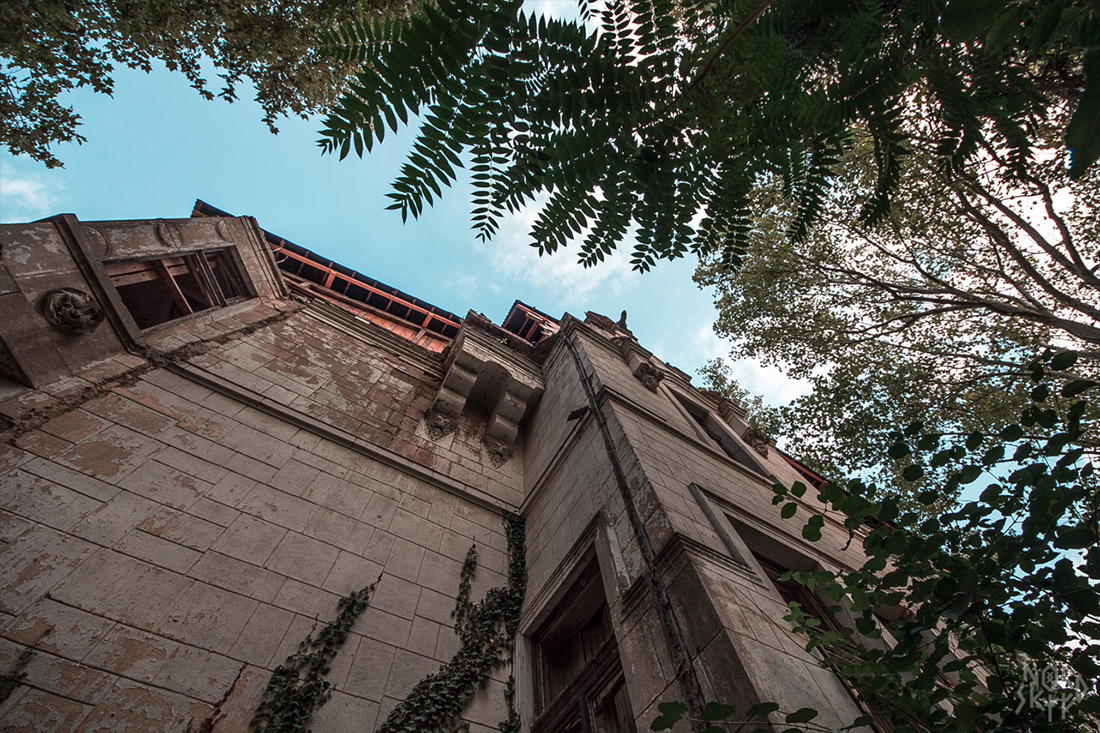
[482,370]
[603,322]
[649,375]
[757,440]
[169,234]
[72,311]
[438,424]
[499,453]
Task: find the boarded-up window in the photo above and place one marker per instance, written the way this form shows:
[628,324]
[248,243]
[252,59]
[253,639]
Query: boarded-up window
[162,290]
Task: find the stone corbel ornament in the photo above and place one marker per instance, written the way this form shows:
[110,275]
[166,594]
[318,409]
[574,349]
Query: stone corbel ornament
[498,452]
[757,440]
[72,311]
[438,424]
[491,375]
[649,375]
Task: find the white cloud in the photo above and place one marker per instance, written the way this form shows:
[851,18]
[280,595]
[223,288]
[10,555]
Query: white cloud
[563,10]
[466,284]
[559,273]
[706,344]
[24,197]
[556,9]
[768,381]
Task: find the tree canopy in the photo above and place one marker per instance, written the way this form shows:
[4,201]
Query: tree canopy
[659,119]
[927,316]
[48,47]
[896,200]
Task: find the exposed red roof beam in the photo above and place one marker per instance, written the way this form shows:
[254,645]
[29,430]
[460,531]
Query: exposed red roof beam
[331,275]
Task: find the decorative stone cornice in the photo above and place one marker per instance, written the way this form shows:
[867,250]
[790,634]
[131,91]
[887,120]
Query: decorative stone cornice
[438,424]
[498,452]
[757,440]
[482,369]
[603,322]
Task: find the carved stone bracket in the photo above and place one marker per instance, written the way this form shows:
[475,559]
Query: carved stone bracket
[649,375]
[438,424]
[499,453]
[484,371]
[222,230]
[72,311]
[757,440]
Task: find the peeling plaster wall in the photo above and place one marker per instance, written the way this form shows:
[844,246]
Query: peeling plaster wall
[174,521]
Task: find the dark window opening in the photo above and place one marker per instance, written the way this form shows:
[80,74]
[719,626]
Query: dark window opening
[579,685]
[725,443]
[159,291]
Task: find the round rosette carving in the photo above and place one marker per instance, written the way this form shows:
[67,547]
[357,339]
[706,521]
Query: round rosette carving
[72,311]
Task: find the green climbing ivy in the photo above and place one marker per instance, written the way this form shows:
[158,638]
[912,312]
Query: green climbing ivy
[298,688]
[487,630]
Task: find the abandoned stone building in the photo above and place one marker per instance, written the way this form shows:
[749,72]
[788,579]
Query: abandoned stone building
[212,435]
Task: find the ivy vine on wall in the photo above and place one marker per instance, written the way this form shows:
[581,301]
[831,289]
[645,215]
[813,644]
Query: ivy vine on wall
[298,687]
[487,630]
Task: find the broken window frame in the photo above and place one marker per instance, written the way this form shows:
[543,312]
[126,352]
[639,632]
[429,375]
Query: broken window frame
[713,431]
[194,281]
[812,604]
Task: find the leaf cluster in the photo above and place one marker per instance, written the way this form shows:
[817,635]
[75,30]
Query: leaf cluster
[716,716]
[49,47]
[931,314]
[657,118]
[950,608]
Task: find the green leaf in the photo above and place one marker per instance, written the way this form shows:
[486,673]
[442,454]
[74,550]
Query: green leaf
[802,715]
[812,530]
[1075,538]
[912,473]
[1083,131]
[898,450]
[1077,386]
[798,489]
[964,20]
[1046,23]
[789,510]
[1063,360]
[717,711]
[762,710]
[671,713]
[970,474]
[1004,30]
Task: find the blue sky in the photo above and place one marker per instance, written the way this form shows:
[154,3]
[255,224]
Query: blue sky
[156,146]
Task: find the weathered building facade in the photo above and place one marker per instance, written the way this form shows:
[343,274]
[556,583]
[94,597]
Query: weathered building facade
[212,435]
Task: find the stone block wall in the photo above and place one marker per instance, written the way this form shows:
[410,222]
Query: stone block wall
[171,531]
